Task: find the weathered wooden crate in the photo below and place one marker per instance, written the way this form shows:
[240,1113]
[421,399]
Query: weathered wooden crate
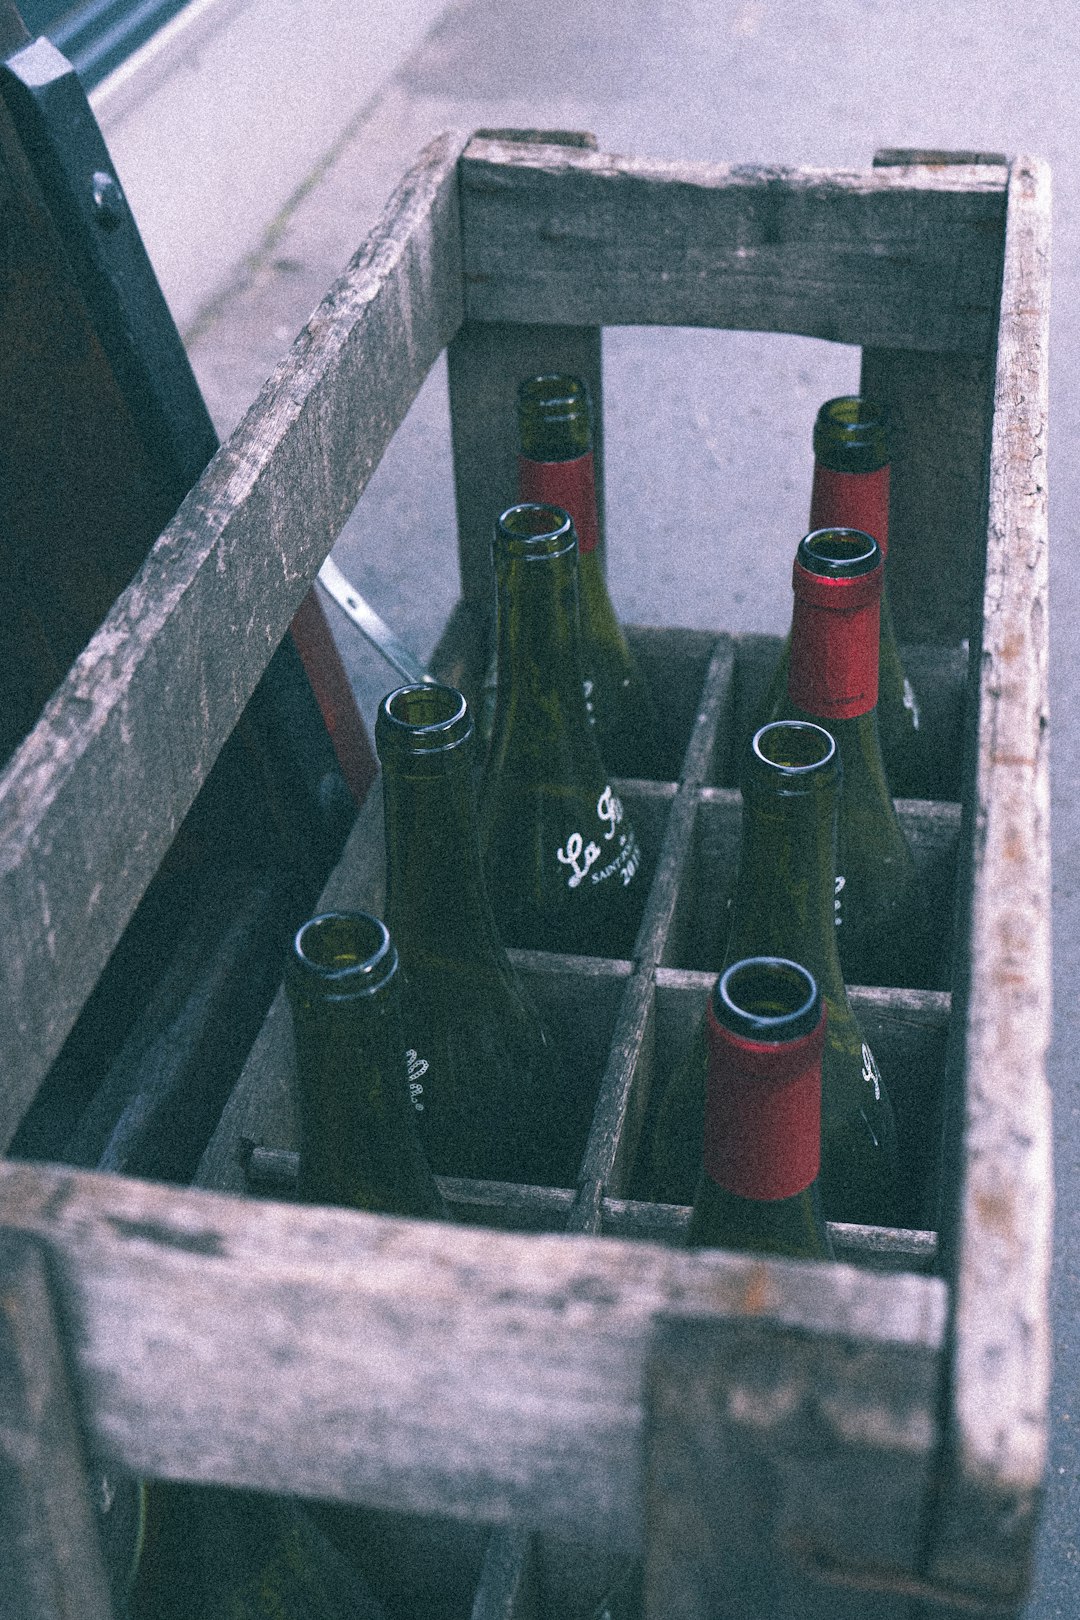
[771,1438]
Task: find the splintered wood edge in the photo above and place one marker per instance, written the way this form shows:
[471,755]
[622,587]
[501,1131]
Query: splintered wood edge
[91,800]
[1001,1360]
[497,1377]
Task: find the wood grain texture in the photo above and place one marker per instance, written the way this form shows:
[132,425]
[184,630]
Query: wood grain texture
[586,238]
[1000,1238]
[428,1368]
[777,1458]
[51,1566]
[91,800]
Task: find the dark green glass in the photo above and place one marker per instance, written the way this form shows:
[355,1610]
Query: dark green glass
[359,1141]
[493,1103]
[215,1554]
[555,467]
[563,862]
[784,905]
[881,913]
[851,491]
[774,1007]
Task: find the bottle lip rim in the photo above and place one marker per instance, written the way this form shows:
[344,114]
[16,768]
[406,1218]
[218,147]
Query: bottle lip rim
[552,538]
[399,736]
[363,977]
[872,415]
[568,380]
[794,772]
[800,1019]
[864,558]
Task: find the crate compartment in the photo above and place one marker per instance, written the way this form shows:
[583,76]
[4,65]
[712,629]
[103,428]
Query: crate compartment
[699,927]
[937,673]
[907,1030]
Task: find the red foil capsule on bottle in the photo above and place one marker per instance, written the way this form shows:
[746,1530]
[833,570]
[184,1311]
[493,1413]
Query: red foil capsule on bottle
[570,484]
[835,635]
[847,500]
[763,1111]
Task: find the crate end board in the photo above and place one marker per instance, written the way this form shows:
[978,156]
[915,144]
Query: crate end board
[887,258]
[497,1377]
[90,801]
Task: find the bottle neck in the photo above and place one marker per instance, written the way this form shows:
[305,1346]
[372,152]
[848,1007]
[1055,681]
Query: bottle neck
[538,639]
[762,1112]
[835,636]
[851,500]
[569,484]
[785,898]
[436,898]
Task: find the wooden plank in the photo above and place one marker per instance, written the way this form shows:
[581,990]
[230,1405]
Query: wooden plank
[778,1464]
[1000,1228]
[510,1207]
[51,1566]
[414,1366]
[91,799]
[887,258]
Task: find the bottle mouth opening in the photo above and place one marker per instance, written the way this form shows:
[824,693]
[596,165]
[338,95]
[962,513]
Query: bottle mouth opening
[851,415]
[535,530]
[838,553]
[348,949]
[422,718]
[767,998]
[555,395]
[794,747]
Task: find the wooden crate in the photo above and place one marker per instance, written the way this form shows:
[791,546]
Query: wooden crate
[771,1438]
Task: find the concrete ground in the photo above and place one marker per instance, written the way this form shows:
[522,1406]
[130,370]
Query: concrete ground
[708,433]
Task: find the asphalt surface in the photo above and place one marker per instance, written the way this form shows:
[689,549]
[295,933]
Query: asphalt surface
[708,455]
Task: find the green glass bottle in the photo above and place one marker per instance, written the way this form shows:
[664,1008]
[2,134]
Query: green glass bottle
[758,1190]
[555,468]
[359,1139]
[491,1099]
[851,491]
[784,905]
[562,858]
[832,678]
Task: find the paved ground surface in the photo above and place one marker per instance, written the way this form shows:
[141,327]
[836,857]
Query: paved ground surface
[708,434]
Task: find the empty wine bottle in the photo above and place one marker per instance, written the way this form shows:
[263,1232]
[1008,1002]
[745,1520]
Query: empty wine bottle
[555,468]
[359,1139]
[832,678]
[851,491]
[562,859]
[758,1189]
[784,905]
[490,1094]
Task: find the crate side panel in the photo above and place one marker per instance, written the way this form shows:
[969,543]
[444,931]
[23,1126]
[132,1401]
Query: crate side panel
[90,802]
[495,1378]
[780,1464]
[1000,1229]
[879,258]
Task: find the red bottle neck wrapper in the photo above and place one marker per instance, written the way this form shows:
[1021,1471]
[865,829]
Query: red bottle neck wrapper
[835,634]
[569,484]
[852,501]
[763,1112]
